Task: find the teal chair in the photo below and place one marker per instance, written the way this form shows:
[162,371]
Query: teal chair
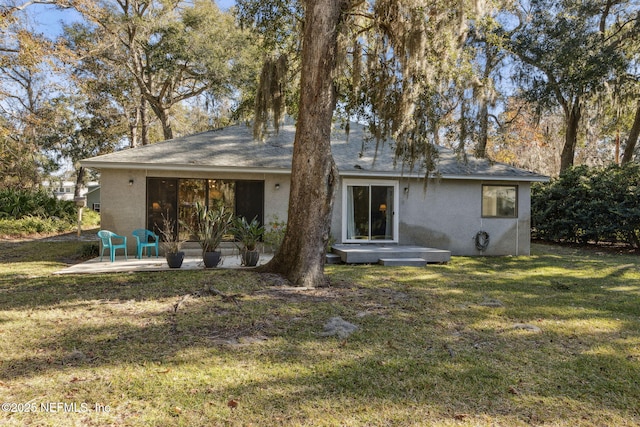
[107,238]
[145,239]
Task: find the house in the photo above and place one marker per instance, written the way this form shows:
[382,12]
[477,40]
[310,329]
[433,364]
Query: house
[93,196]
[466,201]
[64,190]
[61,190]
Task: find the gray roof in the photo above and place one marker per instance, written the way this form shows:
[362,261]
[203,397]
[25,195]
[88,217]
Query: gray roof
[234,149]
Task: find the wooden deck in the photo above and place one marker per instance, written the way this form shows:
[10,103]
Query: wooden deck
[390,254]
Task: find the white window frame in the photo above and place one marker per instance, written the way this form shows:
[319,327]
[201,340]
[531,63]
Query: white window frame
[375,183]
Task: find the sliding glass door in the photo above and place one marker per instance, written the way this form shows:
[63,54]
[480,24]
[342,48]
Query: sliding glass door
[369,211]
[175,199]
[162,202]
[190,192]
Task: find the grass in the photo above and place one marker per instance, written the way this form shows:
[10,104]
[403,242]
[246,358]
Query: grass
[446,345]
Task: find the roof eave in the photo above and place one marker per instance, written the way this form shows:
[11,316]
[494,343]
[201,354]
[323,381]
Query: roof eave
[414,175]
[182,167]
[536,178]
[89,163]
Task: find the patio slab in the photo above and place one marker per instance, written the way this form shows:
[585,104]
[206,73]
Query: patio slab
[122,265]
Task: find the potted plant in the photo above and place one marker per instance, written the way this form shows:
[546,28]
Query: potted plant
[248,235]
[171,243]
[210,227]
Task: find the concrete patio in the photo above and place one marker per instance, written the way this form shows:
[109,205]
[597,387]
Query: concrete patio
[122,265]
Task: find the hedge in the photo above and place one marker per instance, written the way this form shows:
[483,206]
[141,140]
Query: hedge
[589,205]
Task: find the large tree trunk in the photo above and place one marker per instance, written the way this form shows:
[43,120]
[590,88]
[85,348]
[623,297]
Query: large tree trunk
[483,138]
[571,136]
[161,112]
[165,121]
[314,176]
[144,122]
[634,133]
[133,129]
[80,172]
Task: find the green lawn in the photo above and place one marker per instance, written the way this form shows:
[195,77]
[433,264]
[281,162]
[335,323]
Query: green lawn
[551,339]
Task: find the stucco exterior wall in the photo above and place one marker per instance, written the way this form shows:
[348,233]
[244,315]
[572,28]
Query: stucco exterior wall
[276,197]
[448,216]
[123,206]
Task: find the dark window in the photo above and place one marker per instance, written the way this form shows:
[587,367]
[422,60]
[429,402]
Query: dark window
[250,200]
[162,202]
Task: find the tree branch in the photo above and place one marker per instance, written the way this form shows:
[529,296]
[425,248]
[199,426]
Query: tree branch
[7,10]
[605,15]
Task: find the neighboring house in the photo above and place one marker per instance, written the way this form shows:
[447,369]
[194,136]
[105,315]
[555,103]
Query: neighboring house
[377,202]
[93,196]
[64,190]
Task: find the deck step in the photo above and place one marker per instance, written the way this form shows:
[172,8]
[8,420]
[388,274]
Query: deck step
[333,259]
[371,254]
[404,262]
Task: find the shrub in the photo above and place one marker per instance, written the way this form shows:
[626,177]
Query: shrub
[274,233]
[90,217]
[18,204]
[33,225]
[589,204]
[24,212]
[88,251]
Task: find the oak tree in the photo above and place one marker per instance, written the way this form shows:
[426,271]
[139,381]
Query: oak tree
[174,50]
[567,50]
[393,51]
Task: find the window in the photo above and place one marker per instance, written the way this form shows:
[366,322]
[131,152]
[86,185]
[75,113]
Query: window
[176,198]
[500,201]
[369,211]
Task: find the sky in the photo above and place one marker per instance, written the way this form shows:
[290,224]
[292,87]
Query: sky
[49,20]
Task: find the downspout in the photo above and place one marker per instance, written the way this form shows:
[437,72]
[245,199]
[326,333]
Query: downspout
[517,236]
